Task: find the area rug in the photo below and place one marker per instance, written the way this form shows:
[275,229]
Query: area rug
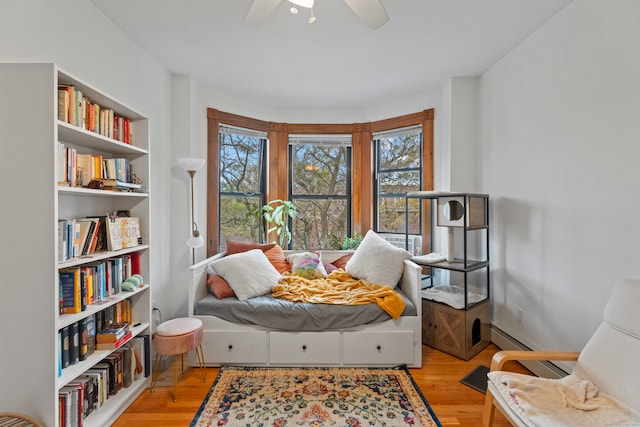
[243,396]
[477,379]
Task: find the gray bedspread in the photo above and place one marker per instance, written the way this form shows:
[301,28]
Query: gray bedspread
[284,315]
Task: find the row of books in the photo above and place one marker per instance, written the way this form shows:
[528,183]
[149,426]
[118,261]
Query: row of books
[81,236]
[79,169]
[84,236]
[90,391]
[79,340]
[76,108]
[93,283]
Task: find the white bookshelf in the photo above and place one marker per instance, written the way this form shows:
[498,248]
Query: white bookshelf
[32,204]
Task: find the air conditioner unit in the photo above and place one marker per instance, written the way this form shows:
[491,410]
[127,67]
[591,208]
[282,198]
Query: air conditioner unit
[398,240]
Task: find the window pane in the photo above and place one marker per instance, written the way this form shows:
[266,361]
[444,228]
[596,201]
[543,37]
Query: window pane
[318,221]
[391,215]
[398,182]
[319,169]
[240,163]
[238,220]
[399,152]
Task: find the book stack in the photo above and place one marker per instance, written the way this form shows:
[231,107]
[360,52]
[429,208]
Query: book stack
[113,336]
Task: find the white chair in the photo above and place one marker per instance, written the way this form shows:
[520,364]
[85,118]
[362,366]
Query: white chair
[604,385]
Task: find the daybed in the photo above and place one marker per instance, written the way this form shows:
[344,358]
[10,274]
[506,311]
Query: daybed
[381,343]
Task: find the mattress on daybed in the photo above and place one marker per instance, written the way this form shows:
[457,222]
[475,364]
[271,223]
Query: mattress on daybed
[275,313]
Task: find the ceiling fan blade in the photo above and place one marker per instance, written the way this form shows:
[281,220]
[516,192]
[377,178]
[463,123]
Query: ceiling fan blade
[260,10]
[370,11]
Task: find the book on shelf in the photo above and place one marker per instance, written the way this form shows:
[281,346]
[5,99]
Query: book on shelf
[102,374]
[70,289]
[86,395]
[123,232]
[112,333]
[100,239]
[68,403]
[87,229]
[115,344]
[93,390]
[64,346]
[87,336]
[115,360]
[139,358]
[111,382]
[127,366]
[74,343]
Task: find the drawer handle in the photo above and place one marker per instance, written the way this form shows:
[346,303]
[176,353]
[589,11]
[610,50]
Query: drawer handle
[379,348]
[230,347]
[304,347]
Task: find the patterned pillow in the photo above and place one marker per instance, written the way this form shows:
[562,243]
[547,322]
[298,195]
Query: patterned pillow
[307,265]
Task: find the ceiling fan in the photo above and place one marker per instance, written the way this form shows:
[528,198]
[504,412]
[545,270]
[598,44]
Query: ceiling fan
[371,12]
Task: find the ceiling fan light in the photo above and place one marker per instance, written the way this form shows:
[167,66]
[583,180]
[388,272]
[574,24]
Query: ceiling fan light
[293,10]
[303,3]
[312,19]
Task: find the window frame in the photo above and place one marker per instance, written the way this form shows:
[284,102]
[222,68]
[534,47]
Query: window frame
[376,138]
[348,190]
[262,176]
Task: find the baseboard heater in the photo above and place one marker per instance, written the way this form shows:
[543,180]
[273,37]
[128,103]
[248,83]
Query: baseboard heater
[543,369]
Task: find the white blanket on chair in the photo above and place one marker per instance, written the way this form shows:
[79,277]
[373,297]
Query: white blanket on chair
[569,401]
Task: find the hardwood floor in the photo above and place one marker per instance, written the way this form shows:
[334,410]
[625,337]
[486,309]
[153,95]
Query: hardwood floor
[439,380]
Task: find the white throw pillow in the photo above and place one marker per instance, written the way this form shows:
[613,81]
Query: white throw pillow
[250,274]
[377,261]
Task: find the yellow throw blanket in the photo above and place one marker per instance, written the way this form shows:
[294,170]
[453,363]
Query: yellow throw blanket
[339,288]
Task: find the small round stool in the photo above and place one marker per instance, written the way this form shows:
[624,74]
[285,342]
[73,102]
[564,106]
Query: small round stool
[178,336]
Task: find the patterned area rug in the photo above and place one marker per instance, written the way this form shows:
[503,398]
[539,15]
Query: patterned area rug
[242,396]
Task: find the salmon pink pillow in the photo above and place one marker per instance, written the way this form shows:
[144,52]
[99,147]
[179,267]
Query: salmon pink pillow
[219,287]
[277,258]
[235,247]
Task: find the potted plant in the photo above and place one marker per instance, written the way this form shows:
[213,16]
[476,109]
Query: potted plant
[277,214]
[346,243]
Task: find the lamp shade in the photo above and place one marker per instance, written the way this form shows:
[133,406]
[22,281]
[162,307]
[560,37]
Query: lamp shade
[303,3]
[191,163]
[195,241]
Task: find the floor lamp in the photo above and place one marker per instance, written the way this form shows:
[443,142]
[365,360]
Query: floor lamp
[192,165]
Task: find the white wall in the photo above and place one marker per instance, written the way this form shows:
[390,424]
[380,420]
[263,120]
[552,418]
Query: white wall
[560,143]
[82,41]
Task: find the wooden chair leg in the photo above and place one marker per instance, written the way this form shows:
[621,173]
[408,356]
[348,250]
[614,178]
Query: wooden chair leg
[489,410]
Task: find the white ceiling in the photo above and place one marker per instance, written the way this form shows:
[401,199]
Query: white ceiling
[337,61]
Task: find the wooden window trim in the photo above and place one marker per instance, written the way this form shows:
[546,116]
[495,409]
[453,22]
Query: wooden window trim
[278,163]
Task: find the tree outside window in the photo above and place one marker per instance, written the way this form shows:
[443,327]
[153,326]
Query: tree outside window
[398,171]
[321,189]
[242,184]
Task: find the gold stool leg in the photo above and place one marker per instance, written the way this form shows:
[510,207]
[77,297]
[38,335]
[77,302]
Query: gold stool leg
[156,370]
[175,378]
[200,356]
